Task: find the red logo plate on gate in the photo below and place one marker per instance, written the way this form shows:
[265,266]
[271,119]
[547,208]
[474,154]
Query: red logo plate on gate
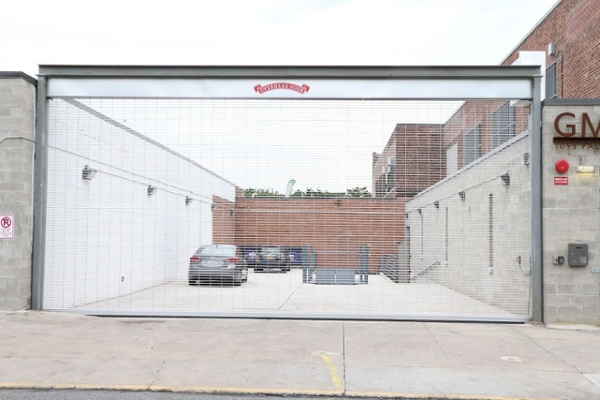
[260,89]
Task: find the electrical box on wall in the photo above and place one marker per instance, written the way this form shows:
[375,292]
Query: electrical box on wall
[578,254]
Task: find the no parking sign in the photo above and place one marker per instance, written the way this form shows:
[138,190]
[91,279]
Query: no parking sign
[7,226]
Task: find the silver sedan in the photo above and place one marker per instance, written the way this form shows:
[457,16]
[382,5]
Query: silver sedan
[220,263]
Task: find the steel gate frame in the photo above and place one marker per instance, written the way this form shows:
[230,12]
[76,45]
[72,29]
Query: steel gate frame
[342,82]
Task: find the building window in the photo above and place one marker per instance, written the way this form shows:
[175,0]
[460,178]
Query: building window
[491,233]
[472,145]
[503,124]
[452,160]
[551,92]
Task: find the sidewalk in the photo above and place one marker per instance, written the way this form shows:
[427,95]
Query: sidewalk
[287,357]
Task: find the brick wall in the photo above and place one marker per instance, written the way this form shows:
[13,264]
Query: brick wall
[574,26]
[334,227]
[223,221]
[420,160]
[478,113]
[382,181]
[17,97]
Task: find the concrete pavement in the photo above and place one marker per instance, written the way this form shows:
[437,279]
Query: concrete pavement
[288,357]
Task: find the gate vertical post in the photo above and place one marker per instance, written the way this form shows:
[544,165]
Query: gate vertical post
[40,196]
[360,263]
[363,264]
[537,281]
[365,271]
[305,263]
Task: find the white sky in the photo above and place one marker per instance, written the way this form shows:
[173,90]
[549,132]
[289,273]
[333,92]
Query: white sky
[268,32]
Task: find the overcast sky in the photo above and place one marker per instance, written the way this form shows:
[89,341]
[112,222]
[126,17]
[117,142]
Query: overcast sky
[263,32]
[271,32]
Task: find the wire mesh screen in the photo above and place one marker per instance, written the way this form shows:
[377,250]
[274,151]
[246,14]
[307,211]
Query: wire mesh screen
[331,208]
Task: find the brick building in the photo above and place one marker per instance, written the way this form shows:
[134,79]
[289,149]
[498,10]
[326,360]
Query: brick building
[486,140]
[412,161]
[567,39]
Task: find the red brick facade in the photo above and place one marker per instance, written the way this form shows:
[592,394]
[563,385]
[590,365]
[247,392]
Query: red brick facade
[223,221]
[419,160]
[574,27]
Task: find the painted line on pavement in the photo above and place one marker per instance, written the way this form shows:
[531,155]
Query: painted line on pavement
[337,382]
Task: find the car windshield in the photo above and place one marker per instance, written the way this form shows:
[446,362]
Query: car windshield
[218,251]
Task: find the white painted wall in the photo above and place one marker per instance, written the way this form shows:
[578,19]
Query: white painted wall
[106,237]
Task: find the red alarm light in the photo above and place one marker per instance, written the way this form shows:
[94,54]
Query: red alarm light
[562,166]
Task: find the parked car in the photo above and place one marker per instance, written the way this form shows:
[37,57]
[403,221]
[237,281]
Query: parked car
[269,257]
[220,263]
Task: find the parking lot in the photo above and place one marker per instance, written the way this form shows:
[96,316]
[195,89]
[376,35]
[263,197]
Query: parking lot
[284,294]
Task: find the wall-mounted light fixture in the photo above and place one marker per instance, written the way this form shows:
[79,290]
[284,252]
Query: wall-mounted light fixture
[151,190]
[462,195]
[436,204]
[505,178]
[586,168]
[88,173]
[188,200]
[552,49]
[419,211]
[213,207]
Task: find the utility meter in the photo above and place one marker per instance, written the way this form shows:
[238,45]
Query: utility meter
[578,254]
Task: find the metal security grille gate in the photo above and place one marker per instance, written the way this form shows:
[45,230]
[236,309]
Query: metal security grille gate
[317,192]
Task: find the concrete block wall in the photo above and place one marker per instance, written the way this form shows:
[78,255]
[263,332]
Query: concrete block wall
[571,214]
[17,119]
[479,244]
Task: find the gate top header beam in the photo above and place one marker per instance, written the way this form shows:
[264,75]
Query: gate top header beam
[346,72]
[323,82]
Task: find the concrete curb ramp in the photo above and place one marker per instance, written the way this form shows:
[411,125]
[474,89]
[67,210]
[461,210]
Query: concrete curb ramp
[267,392]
